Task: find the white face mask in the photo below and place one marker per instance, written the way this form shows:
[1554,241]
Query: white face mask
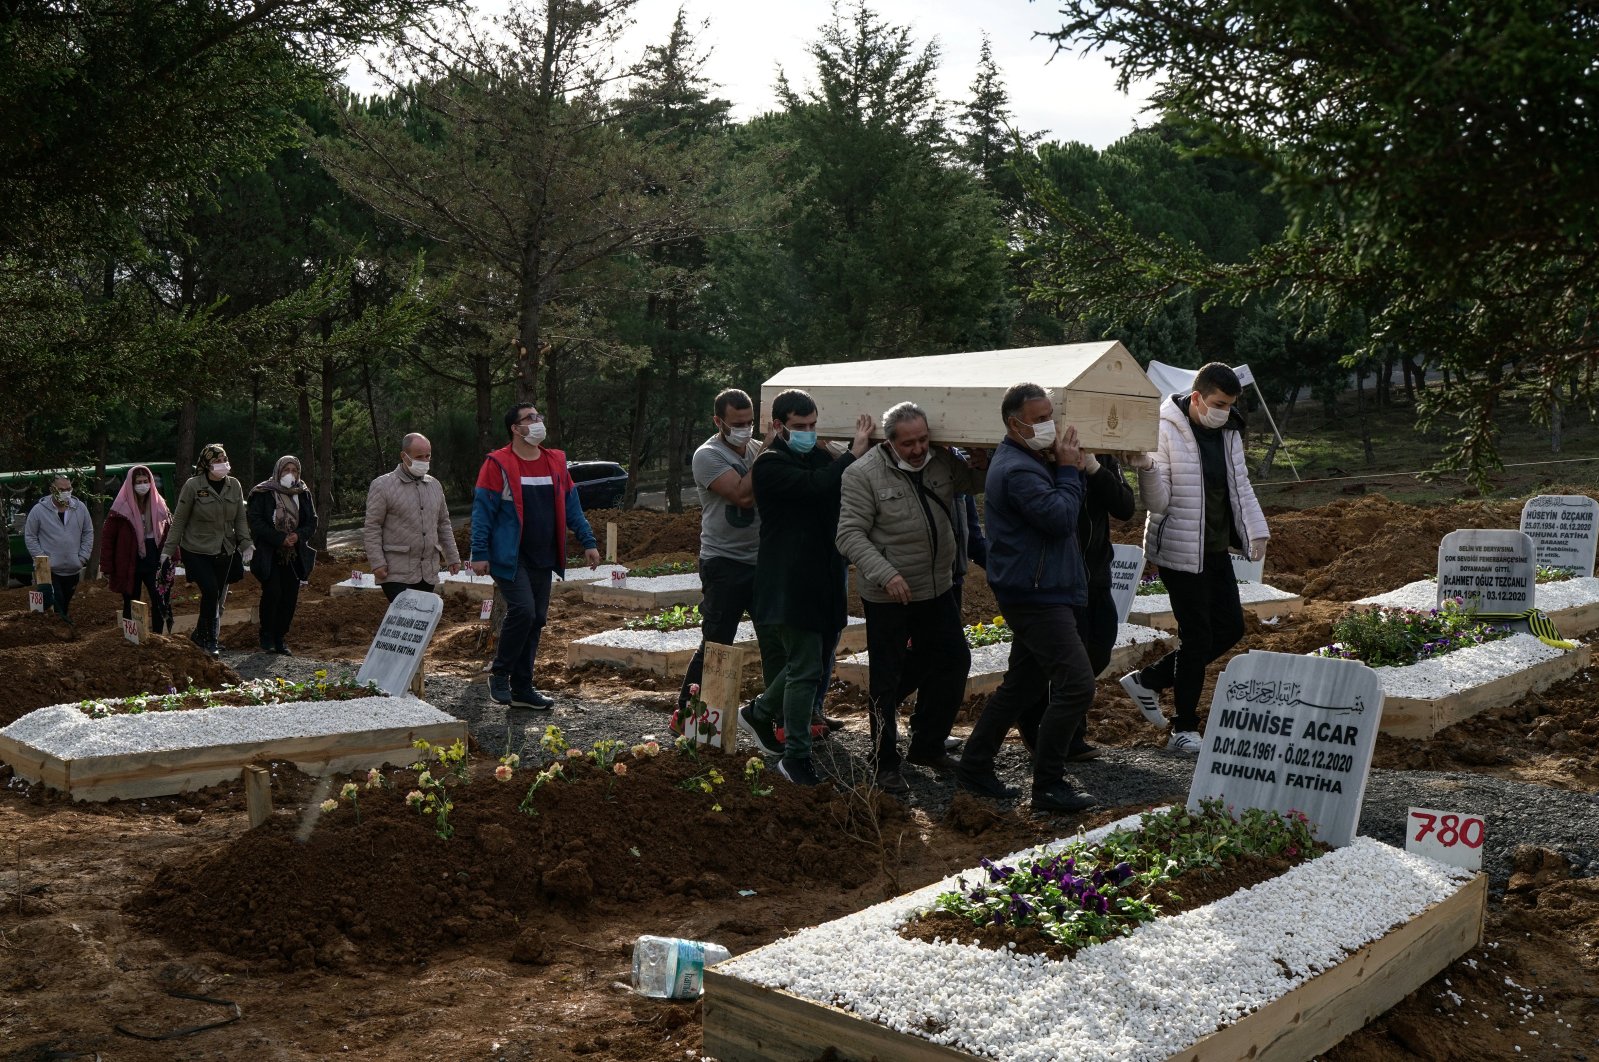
[63,496]
[1043,436]
[908,467]
[533,434]
[419,467]
[141,488]
[221,468]
[1214,417]
[287,479]
[741,436]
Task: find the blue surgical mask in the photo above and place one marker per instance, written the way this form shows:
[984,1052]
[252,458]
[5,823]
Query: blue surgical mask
[801,442]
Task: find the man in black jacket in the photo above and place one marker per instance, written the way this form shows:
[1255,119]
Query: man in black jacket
[799,577]
[1107,495]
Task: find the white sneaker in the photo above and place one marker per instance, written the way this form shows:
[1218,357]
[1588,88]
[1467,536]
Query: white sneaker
[1148,700]
[1186,742]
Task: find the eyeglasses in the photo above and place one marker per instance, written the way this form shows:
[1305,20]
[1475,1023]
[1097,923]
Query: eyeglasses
[532,418]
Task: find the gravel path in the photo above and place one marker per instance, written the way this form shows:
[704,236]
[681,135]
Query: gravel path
[1517,813]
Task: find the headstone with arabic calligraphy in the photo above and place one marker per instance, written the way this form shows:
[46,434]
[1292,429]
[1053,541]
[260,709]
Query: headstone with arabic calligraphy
[1292,733]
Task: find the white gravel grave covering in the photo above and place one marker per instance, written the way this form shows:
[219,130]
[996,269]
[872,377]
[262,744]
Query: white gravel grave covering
[1248,594]
[672,641]
[1143,997]
[657,583]
[66,733]
[1464,669]
[1422,595]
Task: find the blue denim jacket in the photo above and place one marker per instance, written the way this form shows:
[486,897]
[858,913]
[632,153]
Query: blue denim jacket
[1031,511]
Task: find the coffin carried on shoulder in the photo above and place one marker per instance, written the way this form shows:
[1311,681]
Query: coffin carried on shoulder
[1098,388]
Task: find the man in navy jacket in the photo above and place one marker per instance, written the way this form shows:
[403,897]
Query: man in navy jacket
[1035,569]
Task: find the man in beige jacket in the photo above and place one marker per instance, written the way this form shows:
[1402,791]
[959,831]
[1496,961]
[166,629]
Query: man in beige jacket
[897,525]
[407,531]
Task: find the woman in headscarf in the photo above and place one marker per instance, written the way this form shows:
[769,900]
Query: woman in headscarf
[209,525]
[282,521]
[130,545]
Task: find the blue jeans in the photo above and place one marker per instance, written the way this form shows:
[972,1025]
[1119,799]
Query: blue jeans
[527,606]
[791,662]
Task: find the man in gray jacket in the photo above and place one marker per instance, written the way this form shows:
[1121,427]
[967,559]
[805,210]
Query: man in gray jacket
[407,531]
[898,525]
[59,527]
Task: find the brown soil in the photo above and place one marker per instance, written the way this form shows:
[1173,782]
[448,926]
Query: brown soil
[512,963]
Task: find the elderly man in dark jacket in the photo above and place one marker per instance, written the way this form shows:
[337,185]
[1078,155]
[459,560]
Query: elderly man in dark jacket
[1035,569]
[899,526]
[799,577]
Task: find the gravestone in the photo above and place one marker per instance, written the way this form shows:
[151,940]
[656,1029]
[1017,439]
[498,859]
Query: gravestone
[1292,733]
[1490,570]
[1562,528]
[395,658]
[1248,571]
[1126,565]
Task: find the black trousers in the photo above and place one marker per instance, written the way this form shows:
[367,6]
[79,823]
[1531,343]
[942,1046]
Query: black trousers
[1047,659]
[280,594]
[209,572]
[729,592]
[1097,626]
[938,659]
[62,587]
[1210,620]
[394,590]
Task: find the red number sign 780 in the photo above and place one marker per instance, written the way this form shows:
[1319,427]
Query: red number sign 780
[1451,829]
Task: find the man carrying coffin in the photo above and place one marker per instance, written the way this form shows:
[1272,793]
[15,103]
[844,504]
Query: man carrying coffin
[1035,569]
[799,577]
[898,524]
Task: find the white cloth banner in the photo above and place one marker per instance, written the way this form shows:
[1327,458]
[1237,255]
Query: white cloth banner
[1175,381]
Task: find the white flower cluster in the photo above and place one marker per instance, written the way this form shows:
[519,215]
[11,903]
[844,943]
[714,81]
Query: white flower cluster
[66,733]
[1143,997]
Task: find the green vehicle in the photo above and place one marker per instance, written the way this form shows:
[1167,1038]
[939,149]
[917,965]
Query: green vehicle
[19,491]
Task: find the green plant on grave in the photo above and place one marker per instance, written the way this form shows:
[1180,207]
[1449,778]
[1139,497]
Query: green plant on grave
[754,772]
[669,568]
[980,634]
[431,795]
[1150,587]
[352,793]
[604,753]
[676,618]
[1398,637]
[553,741]
[705,782]
[259,691]
[553,771]
[1549,573]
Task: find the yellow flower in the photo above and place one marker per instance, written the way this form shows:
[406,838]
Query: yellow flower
[716,807]
[349,791]
[329,805]
[999,621]
[321,672]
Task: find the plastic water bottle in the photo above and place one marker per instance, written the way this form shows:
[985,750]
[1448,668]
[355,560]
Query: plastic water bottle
[669,968]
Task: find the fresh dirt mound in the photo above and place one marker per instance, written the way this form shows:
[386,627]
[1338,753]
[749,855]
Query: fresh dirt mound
[641,533]
[1352,549]
[102,664]
[389,889]
[33,628]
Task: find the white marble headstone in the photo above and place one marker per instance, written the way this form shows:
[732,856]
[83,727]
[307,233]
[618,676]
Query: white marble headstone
[1292,733]
[1490,570]
[402,638]
[1562,527]
[1126,565]
[1247,570]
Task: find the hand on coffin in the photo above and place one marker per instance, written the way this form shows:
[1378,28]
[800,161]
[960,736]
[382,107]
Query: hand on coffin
[1140,462]
[1066,451]
[863,434]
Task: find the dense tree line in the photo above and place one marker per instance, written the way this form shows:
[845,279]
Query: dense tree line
[205,236]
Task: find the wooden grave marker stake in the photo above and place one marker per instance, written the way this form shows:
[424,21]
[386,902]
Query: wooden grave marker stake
[416,680]
[719,684]
[41,570]
[610,543]
[135,628]
[257,794]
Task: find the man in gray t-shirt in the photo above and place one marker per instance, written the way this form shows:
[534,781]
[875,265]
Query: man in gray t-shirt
[730,531]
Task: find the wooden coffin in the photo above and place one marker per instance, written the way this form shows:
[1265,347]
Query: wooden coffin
[1098,388]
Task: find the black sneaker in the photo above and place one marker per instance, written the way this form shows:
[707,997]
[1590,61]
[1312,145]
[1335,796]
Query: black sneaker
[530,698]
[800,772]
[891,781]
[1082,751]
[833,725]
[500,689]
[1061,798]
[761,731]
[941,762]
[984,783]
[953,743]
[281,649]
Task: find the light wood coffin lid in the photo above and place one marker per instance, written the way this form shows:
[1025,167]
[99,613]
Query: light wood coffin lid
[1098,387]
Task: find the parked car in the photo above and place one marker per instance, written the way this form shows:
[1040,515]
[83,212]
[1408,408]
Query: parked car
[600,484]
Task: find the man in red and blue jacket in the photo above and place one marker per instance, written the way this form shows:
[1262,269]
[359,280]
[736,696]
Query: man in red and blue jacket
[522,506]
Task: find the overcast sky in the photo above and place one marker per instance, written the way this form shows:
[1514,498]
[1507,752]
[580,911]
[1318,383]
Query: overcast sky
[1073,97]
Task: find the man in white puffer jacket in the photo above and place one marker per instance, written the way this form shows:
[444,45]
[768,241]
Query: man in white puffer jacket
[1201,506]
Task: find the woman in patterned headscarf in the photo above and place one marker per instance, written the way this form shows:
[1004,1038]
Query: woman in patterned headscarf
[209,526]
[130,545]
[282,522]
